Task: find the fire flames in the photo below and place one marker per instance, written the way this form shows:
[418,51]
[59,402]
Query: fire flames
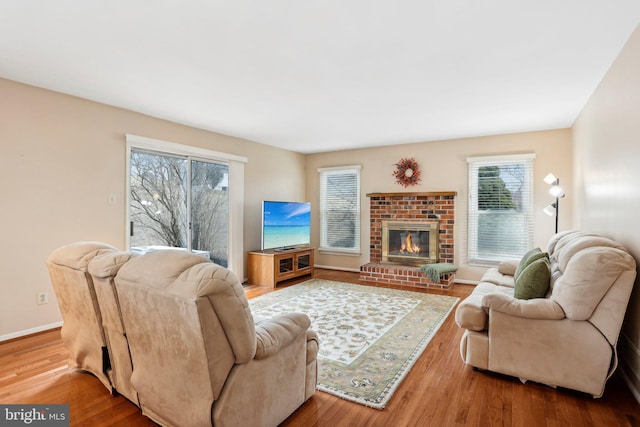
[408,246]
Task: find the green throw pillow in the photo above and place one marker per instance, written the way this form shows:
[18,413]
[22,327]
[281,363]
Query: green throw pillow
[527,259]
[533,281]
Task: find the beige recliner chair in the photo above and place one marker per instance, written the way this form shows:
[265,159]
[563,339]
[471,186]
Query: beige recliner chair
[82,330]
[103,269]
[199,358]
[567,338]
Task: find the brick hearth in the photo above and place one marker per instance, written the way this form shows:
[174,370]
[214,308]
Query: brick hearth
[433,207]
[392,274]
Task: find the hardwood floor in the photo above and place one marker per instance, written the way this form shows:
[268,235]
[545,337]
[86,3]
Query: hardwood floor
[439,391]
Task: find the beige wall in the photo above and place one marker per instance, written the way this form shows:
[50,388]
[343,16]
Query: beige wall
[60,159]
[444,168]
[607,176]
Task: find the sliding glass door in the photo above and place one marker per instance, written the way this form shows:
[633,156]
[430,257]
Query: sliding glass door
[210,209]
[179,202]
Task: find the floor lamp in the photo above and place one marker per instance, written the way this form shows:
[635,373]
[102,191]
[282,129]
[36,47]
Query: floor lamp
[557,192]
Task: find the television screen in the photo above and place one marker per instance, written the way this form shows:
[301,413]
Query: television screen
[285,224]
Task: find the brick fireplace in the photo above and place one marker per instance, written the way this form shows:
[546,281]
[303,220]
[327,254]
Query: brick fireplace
[428,221]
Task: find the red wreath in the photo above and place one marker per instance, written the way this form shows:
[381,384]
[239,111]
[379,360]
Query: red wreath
[407,172]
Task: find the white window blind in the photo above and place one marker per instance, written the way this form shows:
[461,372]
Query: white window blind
[500,208]
[340,209]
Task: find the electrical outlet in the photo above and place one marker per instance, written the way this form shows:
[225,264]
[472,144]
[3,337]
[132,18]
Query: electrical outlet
[43,297]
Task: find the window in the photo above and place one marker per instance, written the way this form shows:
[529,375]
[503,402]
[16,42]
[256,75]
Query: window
[500,208]
[340,209]
[180,197]
[179,202]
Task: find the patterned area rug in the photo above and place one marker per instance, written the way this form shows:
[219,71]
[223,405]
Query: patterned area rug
[369,337]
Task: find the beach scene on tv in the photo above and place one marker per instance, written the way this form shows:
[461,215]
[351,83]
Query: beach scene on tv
[285,224]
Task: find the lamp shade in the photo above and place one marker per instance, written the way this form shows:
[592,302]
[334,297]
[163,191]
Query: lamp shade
[550,210]
[550,178]
[556,191]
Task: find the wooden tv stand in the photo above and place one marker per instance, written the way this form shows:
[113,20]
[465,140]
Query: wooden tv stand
[271,266]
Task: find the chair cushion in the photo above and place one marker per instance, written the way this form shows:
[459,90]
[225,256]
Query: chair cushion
[533,281]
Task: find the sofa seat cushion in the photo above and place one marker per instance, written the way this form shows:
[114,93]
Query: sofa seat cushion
[470,313]
[496,277]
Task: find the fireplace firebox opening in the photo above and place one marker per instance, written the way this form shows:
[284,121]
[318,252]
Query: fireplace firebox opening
[409,242]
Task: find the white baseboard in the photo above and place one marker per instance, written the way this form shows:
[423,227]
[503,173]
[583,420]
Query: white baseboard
[466,282]
[30,331]
[328,267]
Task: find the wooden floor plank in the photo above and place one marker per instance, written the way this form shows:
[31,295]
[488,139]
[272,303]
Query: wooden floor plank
[438,391]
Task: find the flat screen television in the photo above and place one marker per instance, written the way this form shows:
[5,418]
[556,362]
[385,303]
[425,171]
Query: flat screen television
[285,225]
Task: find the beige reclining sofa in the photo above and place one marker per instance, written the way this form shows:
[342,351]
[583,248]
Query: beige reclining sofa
[182,342]
[564,337]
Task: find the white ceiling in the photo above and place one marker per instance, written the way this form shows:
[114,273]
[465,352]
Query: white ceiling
[324,75]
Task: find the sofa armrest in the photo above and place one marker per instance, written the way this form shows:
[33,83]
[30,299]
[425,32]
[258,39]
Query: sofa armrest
[508,267]
[278,332]
[537,308]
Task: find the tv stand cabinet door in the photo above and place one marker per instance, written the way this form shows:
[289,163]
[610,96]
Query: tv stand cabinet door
[284,266]
[304,263]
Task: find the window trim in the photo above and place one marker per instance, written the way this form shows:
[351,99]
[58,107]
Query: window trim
[357,250]
[236,188]
[472,205]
